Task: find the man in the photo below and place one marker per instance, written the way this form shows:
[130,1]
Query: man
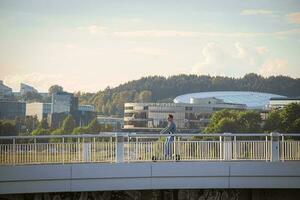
[170,129]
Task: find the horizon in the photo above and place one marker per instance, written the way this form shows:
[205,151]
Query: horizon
[97,44]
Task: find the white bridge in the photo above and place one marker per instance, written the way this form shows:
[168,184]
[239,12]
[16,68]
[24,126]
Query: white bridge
[118,161]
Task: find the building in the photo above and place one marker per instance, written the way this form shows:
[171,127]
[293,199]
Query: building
[24,89]
[116,123]
[279,103]
[84,108]
[253,100]
[5,90]
[191,112]
[188,117]
[41,110]
[64,102]
[12,109]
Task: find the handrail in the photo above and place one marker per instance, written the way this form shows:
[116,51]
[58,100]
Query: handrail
[134,134]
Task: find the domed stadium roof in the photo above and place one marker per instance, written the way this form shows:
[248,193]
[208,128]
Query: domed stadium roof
[253,100]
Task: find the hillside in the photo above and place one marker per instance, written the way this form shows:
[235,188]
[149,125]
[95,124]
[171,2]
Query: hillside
[161,89]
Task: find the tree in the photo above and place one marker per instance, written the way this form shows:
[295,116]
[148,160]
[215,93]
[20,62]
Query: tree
[55,89]
[249,121]
[40,131]
[94,126]
[289,115]
[43,124]
[227,125]
[144,96]
[234,121]
[273,122]
[80,130]
[7,128]
[68,124]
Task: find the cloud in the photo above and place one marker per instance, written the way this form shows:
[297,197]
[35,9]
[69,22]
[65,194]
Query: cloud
[256,12]
[262,50]
[177,33]
[93,29]
[293,18]
[275,66]
[149,51]
[236,61]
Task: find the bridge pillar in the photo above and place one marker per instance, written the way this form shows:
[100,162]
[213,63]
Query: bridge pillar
[227,146]
[120,148]
[275,156]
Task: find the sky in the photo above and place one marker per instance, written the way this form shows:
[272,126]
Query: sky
[90,45]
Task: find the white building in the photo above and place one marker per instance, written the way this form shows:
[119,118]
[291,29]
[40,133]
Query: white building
[41,110]
[186,116]
[278,103]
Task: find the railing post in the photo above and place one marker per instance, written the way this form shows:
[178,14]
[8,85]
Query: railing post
[35,149]
[14,151]
[120,148]
[63,150]
[227,146]
[86,151]
[275,147]
[282,147]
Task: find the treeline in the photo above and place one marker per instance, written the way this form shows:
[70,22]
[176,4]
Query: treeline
[161,89]
[31,126]
[286,120]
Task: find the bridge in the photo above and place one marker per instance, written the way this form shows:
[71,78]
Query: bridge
[118,161]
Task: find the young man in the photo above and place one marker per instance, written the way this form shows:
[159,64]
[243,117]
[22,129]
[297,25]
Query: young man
[170,129]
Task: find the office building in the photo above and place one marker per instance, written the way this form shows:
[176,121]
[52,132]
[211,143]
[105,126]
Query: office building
[12,109]
[116,123]
[64,102]
[24,89]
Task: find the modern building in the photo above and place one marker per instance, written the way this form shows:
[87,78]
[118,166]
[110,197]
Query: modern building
[64,102]
[5,90]
[253,100]
[41,110]
[116,123]
[188,117]
[12,109]
[279,103]
[24,89]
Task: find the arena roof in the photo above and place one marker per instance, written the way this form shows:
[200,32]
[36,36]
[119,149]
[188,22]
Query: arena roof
[253,100]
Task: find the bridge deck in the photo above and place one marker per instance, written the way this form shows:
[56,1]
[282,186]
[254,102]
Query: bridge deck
[150,175]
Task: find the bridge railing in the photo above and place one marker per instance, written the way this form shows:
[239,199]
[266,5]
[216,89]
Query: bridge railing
[133,147]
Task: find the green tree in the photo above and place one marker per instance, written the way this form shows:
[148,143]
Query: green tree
[227,125]
[94,126]
[289,115]
[144,96]
[55,89]
[7,128]
[273,122]
[43,124]
[68,124]
[80,130]
[40,131]
[249,121]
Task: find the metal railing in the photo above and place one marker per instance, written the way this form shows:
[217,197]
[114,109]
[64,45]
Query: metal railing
[131,147]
